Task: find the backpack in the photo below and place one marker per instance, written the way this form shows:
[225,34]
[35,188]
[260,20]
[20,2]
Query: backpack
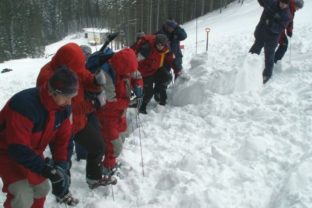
[98,58]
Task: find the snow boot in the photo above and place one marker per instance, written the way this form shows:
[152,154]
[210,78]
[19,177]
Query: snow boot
[68,199]
[104,181]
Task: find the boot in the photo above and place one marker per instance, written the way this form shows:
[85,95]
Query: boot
[143,109]
[104,181]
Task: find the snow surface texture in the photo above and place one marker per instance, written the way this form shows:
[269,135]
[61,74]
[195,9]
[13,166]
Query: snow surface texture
[224,140]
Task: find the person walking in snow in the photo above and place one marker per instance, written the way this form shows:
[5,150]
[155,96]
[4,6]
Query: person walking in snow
[175,33]
[294,6]
[84,132]
[30,120]
[155,63]
[274,20]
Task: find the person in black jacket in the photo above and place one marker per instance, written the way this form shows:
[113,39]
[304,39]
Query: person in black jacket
[274,20]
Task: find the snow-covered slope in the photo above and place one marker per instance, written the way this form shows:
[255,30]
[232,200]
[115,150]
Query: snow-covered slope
[223,140]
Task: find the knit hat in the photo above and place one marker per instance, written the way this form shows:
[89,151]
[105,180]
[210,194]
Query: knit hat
[299,3]
[161,39]
[64,82]
[171,23]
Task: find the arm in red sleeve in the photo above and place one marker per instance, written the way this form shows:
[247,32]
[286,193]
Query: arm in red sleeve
[61,141]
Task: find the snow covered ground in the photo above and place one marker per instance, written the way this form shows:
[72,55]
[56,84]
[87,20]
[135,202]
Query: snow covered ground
[224,140]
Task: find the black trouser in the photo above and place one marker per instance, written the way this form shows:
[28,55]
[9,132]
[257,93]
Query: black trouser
[281,50]
[268,41]
[148,90]
[90,138]
[161,79]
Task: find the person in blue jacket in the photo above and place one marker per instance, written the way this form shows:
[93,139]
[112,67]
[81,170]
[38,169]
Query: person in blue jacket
[175,34]
[274,20]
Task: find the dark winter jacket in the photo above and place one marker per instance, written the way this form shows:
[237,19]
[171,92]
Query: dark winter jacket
[175,37]
[273,18]
[28,123]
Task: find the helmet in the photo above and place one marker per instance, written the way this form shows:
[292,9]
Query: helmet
[299,3]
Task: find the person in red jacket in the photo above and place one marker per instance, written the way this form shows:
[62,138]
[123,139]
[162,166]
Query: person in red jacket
[294,5]
[121,73]
[85,133]
[155,63]
[30,120]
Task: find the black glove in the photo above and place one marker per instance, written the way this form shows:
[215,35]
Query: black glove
[59,179]
[289,34]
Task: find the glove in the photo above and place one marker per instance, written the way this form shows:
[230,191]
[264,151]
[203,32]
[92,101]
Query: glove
[138,91]
[99,78]
[100,100]
[289,34]
[58,177]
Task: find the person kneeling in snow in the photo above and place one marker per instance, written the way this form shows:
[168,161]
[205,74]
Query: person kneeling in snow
[31,120]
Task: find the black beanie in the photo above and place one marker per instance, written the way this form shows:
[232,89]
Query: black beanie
[64,82]
[161,39]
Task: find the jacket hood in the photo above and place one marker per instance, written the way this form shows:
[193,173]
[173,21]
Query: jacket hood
[70,55]
[124,61]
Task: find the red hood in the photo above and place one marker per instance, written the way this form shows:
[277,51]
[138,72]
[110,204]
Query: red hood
[70,55]
[124,61]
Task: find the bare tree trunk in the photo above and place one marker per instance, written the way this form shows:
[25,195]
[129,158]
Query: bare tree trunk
[203,8]
[157,18]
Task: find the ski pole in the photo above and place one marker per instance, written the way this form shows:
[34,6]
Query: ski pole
[113,192]
[290,51]
[140,137]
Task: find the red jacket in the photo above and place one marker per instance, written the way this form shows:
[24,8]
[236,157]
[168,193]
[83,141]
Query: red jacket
[28,123]
[155,59]
[112,115]
[123,64]
[72,56]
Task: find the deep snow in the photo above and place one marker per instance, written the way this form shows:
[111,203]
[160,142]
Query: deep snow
[224,140]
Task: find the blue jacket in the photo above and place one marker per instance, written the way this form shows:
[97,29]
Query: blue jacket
[273,17]
[175,37]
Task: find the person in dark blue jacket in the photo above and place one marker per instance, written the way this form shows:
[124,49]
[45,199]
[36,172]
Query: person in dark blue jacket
[175,34]
[274,20]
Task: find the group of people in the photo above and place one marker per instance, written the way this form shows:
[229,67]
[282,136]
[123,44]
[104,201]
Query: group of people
[81,98]
[276,23]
